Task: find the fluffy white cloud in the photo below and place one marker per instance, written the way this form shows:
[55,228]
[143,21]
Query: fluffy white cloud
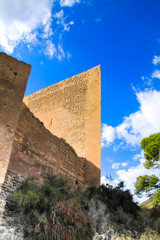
[32,22]
[108,134]
[68,3]
[129,176]
[156,74]
[137,125]
[156,60]
[20,19]
[115,166]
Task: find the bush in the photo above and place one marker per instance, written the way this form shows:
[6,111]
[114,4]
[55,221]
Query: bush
[50,212]
[53,211]
[112,198]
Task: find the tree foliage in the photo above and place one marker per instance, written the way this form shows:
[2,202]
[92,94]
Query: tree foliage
[151,147]
[146,183]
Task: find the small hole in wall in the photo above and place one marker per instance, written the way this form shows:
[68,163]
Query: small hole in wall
[7,125]
[4,104]
[76,182]
[15,73]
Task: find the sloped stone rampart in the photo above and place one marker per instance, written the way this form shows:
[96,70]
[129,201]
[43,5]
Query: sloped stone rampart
[37,152]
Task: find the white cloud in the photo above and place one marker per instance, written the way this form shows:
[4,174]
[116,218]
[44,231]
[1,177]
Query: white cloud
[108,134]
[138,156]
[20,19]
[60,53]
[137,125]
[124,164]
[112,182]
[156,74]
[147,80]
[50,49]
[59,14]
[68,3]
[62,20]
[129,176]
[41,62]
[69,56]
[47,30]
[115,166]
[156,60]
[31,22]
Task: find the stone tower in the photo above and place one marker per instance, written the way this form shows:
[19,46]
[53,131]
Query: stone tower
[71,110]
[58,132]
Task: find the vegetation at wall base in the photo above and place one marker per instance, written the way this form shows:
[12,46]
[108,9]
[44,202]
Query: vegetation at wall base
[49,211]
[114,206]
[54,211]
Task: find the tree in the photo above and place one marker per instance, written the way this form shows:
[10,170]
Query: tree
[146,183]
[151,147]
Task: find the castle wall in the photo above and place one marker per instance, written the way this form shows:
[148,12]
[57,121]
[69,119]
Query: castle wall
[71,110]
[13,79]
[37,152]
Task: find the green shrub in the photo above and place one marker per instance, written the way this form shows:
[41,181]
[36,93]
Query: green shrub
[49,211]
[53,211]
[112,198]
[156,198]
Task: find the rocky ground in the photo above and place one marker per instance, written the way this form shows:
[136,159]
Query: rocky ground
[9,229]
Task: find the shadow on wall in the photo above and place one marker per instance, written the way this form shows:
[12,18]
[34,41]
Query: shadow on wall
[92,174]
[37,152]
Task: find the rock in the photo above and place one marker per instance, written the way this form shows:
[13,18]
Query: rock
[9,227]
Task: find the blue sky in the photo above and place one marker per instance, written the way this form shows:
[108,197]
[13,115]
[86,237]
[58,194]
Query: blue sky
[62,38]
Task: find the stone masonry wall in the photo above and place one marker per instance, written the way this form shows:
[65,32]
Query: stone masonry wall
[13,79]
[11,182]
[37,152]
[71,110]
